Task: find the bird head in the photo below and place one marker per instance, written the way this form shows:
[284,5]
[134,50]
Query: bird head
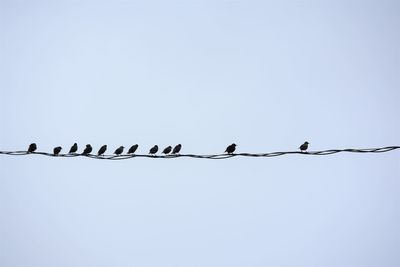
[234,144]
[306,143]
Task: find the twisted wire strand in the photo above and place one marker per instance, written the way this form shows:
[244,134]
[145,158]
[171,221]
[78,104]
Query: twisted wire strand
[215,156]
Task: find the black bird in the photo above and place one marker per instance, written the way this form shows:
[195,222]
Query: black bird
[87,150]
[133,149]
[167,150]
[119,150]
[102,150]
[230,149]
[304,147]
[57,150]
[32,148]
[153,150]
[177,149]
[74,148]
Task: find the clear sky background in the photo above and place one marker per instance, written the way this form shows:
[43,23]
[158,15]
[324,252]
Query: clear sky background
[267,75]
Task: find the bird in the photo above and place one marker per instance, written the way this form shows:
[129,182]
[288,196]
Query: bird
[73,148]
[119,150]
[304,146]
[32,148]
[133,149]
[87,149]
[57,150]
[167,150]
[102,150]
[230,149]
[153,150]
[177,149]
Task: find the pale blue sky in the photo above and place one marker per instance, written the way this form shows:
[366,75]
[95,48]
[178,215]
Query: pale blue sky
[267,75]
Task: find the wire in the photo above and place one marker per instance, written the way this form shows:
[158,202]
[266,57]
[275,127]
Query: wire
[216,156]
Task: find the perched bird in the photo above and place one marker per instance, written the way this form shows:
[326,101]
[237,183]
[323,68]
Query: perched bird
[119,150]
[133,149]
[304,146]
[32,148]
[87,149]
[153,150]
[74,148]
[102,150]
[230,149]
[177,149]
[167,150]
[57,150]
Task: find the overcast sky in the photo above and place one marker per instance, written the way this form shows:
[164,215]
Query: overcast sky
[267,75]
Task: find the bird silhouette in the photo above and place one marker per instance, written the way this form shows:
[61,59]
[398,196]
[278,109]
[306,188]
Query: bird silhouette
[119,150]
[304,147]
[177,149]
[102,150]
[153,150]
[133,149]
[230,149]
[87,150]
[32,147]
[167,150]
[73,148]
[57,150]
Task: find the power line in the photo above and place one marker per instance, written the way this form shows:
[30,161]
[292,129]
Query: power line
[215,156]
